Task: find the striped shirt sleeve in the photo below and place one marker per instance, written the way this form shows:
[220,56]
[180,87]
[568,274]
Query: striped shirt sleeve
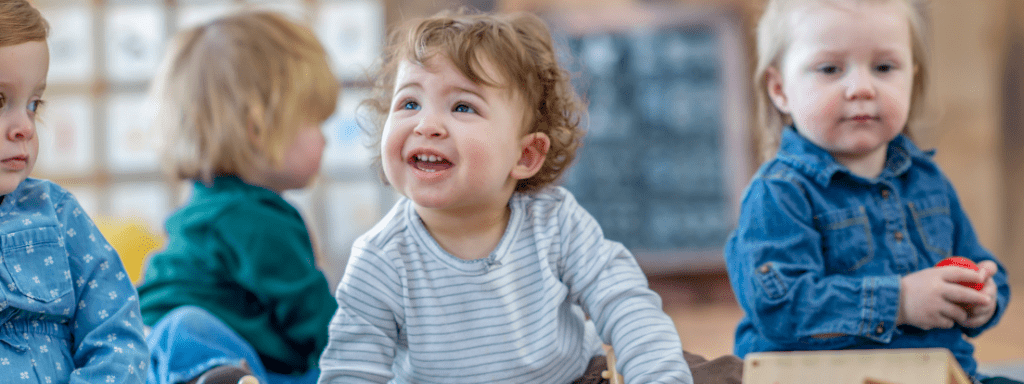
[606,280]
[363,332]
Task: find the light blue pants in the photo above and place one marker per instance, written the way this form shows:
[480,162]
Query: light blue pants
[189,341]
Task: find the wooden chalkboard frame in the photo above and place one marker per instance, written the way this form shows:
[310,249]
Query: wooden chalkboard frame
[735,141]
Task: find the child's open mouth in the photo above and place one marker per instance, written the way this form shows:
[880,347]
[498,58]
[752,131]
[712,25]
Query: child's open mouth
[430,163]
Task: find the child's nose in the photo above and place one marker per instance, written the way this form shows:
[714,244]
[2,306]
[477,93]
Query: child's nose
[431,126]
[21,128]
[860,85]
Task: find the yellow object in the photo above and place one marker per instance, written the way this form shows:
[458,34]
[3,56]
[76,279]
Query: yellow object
[881,366]
[132,239]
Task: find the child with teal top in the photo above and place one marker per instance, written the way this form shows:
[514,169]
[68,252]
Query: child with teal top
[68,311]
[839,233]
[237,290]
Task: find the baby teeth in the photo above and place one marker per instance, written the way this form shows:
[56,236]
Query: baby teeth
[430,158]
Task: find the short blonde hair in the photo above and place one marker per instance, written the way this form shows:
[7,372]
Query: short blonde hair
[21,23]
[773,41]
[520,47]
[232,93]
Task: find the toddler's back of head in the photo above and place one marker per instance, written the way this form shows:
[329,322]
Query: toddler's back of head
[233,92]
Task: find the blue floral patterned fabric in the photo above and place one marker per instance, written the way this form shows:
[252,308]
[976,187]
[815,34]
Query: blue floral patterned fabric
[68,310]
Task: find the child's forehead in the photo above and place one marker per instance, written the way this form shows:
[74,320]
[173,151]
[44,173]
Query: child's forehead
[474,74]
[24,64]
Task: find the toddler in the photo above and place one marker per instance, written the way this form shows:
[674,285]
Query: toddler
[68,311]
[483,272]
[839,232]
[237,288]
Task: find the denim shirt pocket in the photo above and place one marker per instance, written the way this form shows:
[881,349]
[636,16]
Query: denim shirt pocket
[37,264]
[934,224]
[846,239]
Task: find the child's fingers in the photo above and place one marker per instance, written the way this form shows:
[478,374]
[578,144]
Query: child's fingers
[956,293]
[989,267]
[952,314]
[952,274]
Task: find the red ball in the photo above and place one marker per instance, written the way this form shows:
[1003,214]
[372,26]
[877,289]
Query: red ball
[962,262]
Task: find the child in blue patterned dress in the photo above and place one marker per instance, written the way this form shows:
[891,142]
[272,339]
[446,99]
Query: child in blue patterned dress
[68,311]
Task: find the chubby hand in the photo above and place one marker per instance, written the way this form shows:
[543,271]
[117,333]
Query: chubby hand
[933,298]
[979,314]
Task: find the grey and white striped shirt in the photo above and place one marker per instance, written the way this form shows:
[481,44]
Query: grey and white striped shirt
[409,312]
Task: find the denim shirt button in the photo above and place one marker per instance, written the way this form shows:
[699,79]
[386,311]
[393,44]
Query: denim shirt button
[898,235]
[885,193]
[881,328]
[765,268]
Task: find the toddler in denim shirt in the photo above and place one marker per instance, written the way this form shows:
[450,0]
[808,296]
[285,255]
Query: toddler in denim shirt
[840,230]
[68,311]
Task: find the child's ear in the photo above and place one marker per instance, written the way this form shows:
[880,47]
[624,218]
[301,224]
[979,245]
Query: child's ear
[773,81]
[534,150]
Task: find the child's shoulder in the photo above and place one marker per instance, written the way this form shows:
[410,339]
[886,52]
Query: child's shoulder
[40,191]
[547,199]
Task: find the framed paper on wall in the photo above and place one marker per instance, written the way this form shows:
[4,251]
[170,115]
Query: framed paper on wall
[145,201]
[66,135]
[194,13]
[71,44]
[134,41]
[346,144]
[352,33]
[294,9]
[352,208]
[133,145]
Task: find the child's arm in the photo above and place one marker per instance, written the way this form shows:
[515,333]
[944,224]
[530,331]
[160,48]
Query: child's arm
[965,243]
[108,343]
[605,279]
[777,270]
[364,331]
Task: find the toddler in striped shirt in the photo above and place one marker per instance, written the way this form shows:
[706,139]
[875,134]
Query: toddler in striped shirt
[484,271]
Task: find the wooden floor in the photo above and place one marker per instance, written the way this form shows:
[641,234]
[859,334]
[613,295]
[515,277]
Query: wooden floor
[706,314]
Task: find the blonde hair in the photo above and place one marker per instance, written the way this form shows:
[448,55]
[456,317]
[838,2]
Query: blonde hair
[21,23]
[773,41]
[520,46]
[231,94]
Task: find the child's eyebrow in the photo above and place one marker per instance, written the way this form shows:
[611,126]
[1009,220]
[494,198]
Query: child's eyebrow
[474,92]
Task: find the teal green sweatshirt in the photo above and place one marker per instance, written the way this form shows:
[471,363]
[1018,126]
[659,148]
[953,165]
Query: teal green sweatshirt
[243,253]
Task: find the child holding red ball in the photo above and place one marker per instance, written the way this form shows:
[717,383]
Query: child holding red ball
[840,231]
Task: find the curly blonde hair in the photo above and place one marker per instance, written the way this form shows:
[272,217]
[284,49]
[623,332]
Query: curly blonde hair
[231,94]
[520,46]
[21,23]
[773,40]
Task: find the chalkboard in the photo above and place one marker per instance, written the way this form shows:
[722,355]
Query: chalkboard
[666,150]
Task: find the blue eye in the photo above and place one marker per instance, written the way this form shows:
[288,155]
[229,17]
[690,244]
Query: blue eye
[33,106]
[884,67]
[464,108]
[411,105]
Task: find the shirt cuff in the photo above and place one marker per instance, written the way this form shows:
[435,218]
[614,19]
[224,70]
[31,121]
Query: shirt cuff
[880,298]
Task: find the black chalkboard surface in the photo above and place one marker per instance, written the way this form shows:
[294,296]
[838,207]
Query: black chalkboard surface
[667,150]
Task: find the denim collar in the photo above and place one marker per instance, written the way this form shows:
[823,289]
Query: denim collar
[819,165]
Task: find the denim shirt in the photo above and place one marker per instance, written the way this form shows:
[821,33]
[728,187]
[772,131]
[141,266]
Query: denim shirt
[819,250]
[68,310]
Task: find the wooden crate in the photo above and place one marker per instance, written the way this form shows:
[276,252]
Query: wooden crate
[882,366]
